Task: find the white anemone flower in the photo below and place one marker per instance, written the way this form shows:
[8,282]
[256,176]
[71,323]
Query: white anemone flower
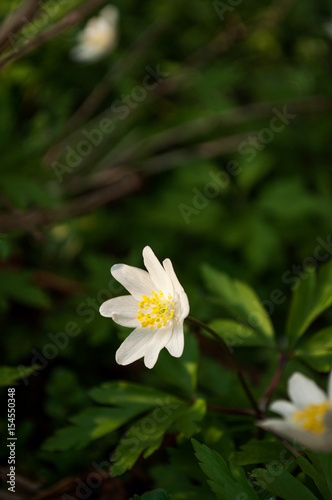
[307,418]
[99,36]
[156,309]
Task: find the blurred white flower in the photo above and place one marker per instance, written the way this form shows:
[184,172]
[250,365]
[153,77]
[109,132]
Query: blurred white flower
[308,417]
[156,309]
[328,29]
[99,36]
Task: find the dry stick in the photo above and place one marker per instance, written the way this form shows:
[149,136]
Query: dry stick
[232,359]
[69,20]
[32,218]
[242,114]
[166,87]
[16,21]
[204,150]
[208,149]
[233,411]
[108,169]
[100,92]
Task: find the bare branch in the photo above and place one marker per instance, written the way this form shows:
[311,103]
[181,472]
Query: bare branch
[129,183]
[14,22]
[68,21]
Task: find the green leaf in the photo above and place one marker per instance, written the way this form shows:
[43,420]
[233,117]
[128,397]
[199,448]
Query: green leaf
[157,494]
[144,437]
[237,334]
[316,475]
[10,375]
[255,452]
[282,484]
[127,394]
[182,375]
[88,425]
[227,482]
[322,462]
[317,350]
[312,296]
[240,300]
[129,400]
[18,286]
[187,423]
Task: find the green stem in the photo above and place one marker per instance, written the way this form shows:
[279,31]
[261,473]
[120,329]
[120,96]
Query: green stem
[233,361]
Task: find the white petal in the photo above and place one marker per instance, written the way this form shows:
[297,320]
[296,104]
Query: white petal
[85,52]
[111,14]
[122,310]
[136,281]
[168,266]
[296,435]
[184,304]
[182,296]
[134,346]
[175,344]
[284,408]
[159,339]
[304,391]
[157,273]
[329,386]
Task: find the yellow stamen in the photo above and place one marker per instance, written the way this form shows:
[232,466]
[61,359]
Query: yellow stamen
[158,310]
[312,417]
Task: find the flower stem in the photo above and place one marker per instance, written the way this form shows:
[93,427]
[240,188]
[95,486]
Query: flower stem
[286,444]
[266,398]
[232,359]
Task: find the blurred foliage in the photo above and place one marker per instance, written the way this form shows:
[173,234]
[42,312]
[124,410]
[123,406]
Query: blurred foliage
[264,218]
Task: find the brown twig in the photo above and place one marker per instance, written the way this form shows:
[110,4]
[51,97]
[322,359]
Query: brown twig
[103,88]
[233,411]
[52,281]
[14,22]
[166,87]
[68,21]
[34,218]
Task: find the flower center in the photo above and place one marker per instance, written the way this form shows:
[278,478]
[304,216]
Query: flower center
[312,417]
[155,311]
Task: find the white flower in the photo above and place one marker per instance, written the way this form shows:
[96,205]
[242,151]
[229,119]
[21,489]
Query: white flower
[156,309]
[99,37]
[328,29]
[308,417]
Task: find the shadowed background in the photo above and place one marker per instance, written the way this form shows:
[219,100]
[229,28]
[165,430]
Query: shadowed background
[205,134]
